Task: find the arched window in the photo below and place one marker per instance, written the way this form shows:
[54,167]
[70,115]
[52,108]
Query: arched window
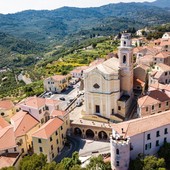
[124,42]
[124,59]
[117,151]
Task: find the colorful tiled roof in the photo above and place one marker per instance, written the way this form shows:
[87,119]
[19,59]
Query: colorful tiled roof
[23,123]
[48,128]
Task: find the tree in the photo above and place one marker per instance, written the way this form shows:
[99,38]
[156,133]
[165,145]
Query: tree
[50,166]
[34,162]
[147,163]
[68,163]
[164,152]
[98,163]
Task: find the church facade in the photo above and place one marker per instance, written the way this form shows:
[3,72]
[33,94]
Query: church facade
[109,85]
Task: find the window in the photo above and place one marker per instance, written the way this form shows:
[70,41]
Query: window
[124,59]
[165,131]
[62,136]
[2,114]
[61,127]
[39,141]
[40,149]
[51,139]
[56,133]
[159,105]
[167,103]
[52,155]
[46,107]
[148,136]
[157,134]
[51,147]
[124,42]
[119,107]
[157,143]
[112,111]
[117,163]
[97,109]
[40,111]
[152,107]
[58,149]
[165,140]
[166,73]
[146,109]
[117,151]
[57,141]
[15,149]
[148,146]
[96,86]
[6,151]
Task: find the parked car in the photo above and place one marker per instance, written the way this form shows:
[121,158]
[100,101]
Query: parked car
[62,98]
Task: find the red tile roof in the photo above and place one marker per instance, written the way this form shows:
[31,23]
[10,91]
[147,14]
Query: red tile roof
[48,128]
[59,77]
[37,102]
[141,125]
[153,97]
[23,123]
[7,138]
[6,104]
[3,123]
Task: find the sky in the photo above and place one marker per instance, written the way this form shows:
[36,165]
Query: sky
[12,6]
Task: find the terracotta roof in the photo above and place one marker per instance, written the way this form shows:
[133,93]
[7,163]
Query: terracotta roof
[153,97]
[37,102]
[56,113]
[23,123]
[3,123]
[7,139]
[79,69]
[143,66]
[141,125]
[160,86]
[110,66]
[165,42]
[59,77]
[6,161]
[162,55]
[97,61]
[48,128]
[163,67]
[6,104]
[158,74]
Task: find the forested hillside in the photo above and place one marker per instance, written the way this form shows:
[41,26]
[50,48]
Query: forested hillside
[52,26]
[17,52]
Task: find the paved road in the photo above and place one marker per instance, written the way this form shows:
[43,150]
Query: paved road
[76,145]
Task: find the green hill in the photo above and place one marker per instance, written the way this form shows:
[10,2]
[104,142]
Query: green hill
[17,52]
[53,26]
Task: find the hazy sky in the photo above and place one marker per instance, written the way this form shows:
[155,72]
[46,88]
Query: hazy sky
[12,6]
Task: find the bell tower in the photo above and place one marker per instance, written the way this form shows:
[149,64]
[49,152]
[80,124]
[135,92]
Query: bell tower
[126,64]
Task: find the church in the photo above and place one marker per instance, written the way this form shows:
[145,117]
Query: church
[109,85]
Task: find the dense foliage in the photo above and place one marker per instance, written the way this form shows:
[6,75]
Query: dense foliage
[164,152]
[39,162]
[148,163]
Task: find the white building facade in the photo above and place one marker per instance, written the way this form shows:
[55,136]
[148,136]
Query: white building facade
[138,136]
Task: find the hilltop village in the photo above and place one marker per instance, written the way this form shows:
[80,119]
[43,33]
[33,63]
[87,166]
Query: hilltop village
[123,100]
